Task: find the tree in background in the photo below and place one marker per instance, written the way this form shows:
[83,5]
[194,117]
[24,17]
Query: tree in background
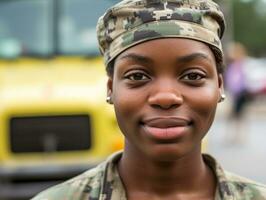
[247,23]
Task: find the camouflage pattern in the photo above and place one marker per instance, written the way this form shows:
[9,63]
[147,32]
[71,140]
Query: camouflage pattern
[104,183]
[134,21]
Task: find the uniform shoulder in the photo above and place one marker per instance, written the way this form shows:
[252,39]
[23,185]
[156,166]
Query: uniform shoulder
[78,188]
[245,187]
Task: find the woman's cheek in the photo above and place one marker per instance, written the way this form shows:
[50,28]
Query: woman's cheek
[204,106]
[124,108]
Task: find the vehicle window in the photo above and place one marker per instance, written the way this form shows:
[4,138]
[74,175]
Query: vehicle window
[25,27]
[45,27]
[77,25]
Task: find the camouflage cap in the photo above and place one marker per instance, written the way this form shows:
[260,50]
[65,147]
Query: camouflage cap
[134,21]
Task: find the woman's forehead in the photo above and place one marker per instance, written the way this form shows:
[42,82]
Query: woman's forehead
[180,48]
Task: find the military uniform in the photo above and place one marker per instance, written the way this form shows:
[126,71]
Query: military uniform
[104,183]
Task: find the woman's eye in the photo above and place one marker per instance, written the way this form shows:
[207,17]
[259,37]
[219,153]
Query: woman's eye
[137,77]
[193,76]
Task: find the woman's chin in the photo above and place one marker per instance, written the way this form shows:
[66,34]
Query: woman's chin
[167,152]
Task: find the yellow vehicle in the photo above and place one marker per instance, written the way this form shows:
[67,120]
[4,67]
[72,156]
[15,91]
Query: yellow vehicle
[54,122]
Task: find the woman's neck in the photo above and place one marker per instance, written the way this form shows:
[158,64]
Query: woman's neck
[185,175]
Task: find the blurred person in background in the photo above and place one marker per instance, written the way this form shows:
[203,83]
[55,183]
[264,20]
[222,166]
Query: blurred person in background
[237,87]
[164,63]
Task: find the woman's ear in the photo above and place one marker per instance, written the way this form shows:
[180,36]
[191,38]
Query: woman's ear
[221,88]
[221,81]
[109,98]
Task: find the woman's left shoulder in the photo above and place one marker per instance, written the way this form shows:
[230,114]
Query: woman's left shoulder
[245,188]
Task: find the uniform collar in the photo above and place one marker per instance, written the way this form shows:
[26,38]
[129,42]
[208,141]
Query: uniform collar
[224,190]
[113,189]
[112,186]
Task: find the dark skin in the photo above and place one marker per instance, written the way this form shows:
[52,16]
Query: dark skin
[165,93]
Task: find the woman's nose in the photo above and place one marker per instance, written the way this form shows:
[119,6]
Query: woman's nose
[165,98]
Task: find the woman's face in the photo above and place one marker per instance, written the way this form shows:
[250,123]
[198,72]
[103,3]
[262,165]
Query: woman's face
[165,93]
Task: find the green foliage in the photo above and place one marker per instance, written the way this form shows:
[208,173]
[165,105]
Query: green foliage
[250,25]
[247,19]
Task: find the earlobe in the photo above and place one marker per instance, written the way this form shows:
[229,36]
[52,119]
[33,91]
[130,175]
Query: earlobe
[222,98]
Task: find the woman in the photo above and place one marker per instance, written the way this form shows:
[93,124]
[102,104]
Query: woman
[164,62]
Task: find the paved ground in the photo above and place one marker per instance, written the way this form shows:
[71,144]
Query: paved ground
[247,158]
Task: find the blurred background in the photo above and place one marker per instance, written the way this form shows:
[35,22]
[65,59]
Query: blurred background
[238,134]
[54,122]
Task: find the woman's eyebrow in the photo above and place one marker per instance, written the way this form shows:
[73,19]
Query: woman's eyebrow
[182,59]
[136,57]
[192,57]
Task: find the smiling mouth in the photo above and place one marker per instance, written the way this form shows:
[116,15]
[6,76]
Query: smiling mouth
[166,128]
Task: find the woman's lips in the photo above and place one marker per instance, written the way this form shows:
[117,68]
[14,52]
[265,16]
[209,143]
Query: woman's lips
[166,128]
